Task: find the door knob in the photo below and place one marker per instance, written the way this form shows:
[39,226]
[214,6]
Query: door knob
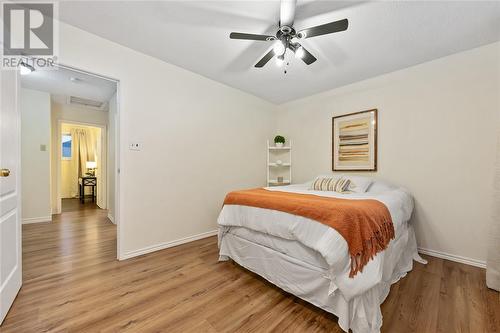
[4,172]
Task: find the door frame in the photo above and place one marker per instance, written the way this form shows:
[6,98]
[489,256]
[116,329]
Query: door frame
[117,188]
[104,151]
[118,220]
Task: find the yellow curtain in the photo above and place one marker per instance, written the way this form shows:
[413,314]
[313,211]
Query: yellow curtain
[83,150]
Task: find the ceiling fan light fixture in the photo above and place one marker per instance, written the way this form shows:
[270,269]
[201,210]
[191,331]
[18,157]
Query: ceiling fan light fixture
[288,38]
[278,47]
[299,52]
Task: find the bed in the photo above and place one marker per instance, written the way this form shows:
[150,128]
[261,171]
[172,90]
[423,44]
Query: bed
[311,260]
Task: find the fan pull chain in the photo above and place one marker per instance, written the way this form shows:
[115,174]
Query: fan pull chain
[286,67]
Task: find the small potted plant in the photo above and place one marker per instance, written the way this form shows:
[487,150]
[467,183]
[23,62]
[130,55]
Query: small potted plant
[279,140]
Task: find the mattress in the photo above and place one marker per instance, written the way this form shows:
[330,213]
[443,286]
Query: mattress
[288,247]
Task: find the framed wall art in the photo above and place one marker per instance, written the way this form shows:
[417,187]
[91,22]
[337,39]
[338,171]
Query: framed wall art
[354,141]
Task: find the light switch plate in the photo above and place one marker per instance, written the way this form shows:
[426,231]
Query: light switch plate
[43,147]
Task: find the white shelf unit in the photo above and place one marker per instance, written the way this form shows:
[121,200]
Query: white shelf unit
[275,170]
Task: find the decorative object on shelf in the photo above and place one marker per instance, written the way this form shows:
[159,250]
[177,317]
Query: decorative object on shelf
[91,166]
[279,140]
[354,144]
[279,164]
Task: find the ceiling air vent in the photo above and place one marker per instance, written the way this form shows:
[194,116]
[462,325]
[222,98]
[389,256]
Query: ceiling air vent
[88,103]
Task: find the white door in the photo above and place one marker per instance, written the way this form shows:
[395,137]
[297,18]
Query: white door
[10,178]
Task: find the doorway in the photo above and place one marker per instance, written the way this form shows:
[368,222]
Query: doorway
[82,164]
[69,127]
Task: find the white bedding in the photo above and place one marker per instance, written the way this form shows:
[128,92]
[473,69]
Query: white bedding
[325,240]
[288,247]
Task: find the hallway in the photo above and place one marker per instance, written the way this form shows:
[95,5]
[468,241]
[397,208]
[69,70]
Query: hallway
[74,205]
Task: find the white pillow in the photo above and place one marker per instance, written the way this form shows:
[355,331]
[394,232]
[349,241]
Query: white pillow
[358,184]
[379,186]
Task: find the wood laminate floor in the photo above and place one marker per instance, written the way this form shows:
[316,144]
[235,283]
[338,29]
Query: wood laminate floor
[73,283]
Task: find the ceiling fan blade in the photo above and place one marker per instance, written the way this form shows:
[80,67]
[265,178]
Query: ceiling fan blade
[308,58]
[269,55]
[324,29]
[240,35]
[287,12]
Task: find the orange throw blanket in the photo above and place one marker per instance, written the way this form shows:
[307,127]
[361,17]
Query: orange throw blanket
[365,224]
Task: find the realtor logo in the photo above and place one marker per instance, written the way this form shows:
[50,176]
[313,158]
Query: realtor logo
[28,29]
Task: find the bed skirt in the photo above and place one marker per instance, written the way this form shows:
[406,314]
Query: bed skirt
[361,314]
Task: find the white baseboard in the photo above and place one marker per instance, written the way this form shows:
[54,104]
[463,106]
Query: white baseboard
[162,246]
[453,257]
[37,219]
[111,218]
[166,245]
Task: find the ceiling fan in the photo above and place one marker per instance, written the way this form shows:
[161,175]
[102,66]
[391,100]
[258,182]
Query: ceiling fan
[287,38]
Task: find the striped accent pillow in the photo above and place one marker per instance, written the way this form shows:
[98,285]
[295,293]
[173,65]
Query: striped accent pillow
[335,184]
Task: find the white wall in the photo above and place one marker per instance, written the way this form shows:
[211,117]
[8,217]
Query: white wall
[71,113]
[199,140]
[111,156]
[35,131]
[436,137]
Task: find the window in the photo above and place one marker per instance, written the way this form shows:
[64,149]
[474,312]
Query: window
[66,146]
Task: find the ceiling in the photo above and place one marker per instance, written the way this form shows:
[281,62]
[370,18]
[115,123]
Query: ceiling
[62,83]
[383,36]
